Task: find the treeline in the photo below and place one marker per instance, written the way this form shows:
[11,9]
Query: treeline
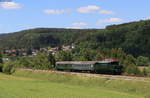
[42,61]
[40,37]
[46,61]
[132,65]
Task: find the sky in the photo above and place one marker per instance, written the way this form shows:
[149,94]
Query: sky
[17,15]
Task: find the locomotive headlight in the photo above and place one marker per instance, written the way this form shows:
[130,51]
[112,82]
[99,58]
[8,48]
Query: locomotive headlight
[92,66]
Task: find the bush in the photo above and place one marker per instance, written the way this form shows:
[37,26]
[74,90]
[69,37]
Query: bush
[145,72]
[8,67]
[142,61]
[25,62]
[132,70]
[41,61]
[148,71]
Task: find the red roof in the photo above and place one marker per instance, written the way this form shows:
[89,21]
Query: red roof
[13,50]
[13,55]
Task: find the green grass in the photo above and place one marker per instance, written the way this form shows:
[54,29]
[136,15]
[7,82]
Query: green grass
[18,87]
[140,88]
[32,84]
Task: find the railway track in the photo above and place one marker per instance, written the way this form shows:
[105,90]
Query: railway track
[123,77]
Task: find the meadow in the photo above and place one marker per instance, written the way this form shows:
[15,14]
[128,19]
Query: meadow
[29,84]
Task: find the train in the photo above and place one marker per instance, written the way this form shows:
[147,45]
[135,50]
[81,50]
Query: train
[107,66]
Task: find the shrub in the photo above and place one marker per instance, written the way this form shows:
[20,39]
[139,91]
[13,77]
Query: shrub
[148,71]
[25,62]
[41,61]
[8,67]
[145,72]
[132,70]
[142,61]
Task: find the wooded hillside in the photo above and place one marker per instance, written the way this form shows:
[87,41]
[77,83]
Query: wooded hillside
[133,38]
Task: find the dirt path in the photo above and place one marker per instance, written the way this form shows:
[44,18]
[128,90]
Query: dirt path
[144,79]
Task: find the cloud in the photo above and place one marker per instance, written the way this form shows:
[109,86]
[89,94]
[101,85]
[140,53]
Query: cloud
[56,12]
[79,24]
[147,18]
[84,10]
[94,9]
[107,12]
[111,20]
[9,5]
[74,28]
[88,9]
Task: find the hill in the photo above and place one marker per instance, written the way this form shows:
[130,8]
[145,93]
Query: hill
[132,37]
[40,37]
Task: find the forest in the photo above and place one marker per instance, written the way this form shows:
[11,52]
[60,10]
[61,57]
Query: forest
[132,37]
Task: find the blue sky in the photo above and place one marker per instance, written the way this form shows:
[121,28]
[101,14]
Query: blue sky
[25,14]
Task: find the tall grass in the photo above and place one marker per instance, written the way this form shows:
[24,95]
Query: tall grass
[128,86]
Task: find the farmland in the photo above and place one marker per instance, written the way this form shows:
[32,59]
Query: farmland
[37,85]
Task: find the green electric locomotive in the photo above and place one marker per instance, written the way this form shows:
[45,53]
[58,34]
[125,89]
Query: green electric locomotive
[107,66]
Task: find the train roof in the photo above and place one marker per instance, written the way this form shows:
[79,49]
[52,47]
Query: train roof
[76,62]
[87,62]
[110,60]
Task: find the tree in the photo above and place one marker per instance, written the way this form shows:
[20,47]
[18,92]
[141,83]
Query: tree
[86,54]
[118,53]
[41,61]
[26,62]
[8,67]
[130,67]
[145,72]
[51,58]
[64,56]
[132,70]
[129,59]
[148,71]
[142,61]
[99,56]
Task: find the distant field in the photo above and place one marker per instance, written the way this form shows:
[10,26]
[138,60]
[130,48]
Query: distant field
[18,87]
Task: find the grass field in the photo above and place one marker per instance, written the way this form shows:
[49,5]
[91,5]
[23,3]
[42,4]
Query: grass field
[32,87]
[18,87]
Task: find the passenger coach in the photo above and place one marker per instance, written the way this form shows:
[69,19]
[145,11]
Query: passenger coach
[109,66]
